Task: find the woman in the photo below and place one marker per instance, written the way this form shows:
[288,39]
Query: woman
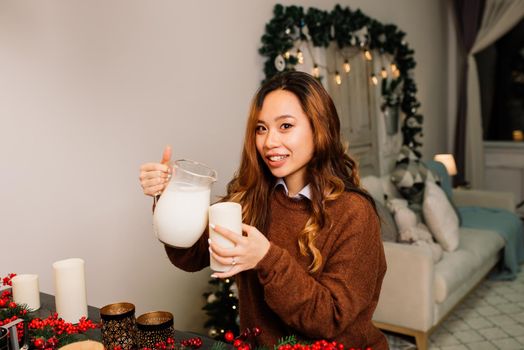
[311,261]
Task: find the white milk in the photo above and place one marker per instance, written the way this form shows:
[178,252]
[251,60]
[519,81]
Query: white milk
[181,214]
[227,215]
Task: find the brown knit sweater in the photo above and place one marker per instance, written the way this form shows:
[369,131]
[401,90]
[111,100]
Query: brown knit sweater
[282,298]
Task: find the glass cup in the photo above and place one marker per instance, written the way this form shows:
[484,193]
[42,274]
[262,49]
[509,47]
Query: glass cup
[227,215]
[118,325]
[154,327]
[181,213]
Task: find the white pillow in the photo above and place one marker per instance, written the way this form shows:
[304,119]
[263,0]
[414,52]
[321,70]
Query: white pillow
[440,217]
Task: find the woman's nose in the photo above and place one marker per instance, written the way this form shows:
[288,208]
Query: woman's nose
[272,139]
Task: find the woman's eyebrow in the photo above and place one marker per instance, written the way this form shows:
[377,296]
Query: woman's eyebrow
[283,116]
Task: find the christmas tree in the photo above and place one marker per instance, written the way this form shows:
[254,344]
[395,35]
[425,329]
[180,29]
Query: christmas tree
[222,308]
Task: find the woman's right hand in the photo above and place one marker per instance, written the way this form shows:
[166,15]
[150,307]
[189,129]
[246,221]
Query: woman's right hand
[155,176]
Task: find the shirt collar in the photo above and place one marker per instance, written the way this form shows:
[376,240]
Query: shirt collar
[303,193]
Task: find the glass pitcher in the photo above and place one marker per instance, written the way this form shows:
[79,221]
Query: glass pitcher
[181,213]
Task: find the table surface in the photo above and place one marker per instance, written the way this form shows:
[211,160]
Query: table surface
[47,308]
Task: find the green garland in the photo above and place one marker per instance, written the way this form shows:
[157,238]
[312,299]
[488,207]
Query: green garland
[290,24]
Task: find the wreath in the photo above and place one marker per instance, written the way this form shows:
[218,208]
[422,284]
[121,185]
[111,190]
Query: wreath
[291,25]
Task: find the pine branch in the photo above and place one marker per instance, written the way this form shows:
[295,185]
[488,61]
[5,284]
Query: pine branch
[291,340]
[218,345]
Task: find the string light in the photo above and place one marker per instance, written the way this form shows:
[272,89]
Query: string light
[234,307]
[394,70]
[368,55]
[287,54]
[374,79]
[300,57]
[393,67]
[397,73]
[316,71]
[347,66]
[338,79]
[384,73]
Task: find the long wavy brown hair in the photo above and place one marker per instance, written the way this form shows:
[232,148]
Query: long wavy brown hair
[330,172]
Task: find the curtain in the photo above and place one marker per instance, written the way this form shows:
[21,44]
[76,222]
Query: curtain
[499,16]
[469,14]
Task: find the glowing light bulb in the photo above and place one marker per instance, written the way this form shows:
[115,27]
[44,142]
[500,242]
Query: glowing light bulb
[338,79]
[287,54]
[393,67]
[374,79]
[384,73]
[316,71]
[300,57]
[347,66]
[396,73]
[368,55]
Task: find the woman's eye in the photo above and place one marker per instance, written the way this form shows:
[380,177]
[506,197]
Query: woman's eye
[260,128]
[286,126]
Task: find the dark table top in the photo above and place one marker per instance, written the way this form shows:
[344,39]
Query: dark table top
[47,308]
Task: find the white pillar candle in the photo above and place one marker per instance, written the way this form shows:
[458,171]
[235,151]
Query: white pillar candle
[26,291]
[227,215]
[70,289]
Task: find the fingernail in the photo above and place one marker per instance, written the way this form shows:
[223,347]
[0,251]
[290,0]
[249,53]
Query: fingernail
[214,276]
[212,226]
[209,241]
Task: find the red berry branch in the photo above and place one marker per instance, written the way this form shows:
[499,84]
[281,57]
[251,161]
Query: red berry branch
[6,281]
[52,332]
[245,340]
[170,344]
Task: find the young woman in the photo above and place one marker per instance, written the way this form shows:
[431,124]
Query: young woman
[311,260]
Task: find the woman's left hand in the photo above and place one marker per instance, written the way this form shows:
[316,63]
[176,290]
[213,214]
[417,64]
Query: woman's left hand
[246,254]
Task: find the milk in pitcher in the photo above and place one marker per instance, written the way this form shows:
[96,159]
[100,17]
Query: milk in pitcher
[181,214]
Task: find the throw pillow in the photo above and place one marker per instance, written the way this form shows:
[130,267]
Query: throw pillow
[388,229]
[440,217]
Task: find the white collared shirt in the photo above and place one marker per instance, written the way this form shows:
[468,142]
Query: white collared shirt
[303,193]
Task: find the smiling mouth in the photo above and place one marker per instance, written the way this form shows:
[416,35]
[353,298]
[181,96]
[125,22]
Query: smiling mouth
[277,158]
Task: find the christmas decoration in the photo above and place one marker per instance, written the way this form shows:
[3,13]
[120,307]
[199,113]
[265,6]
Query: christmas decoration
[222,308]
[53,332]
[245,341]
[171,344]
[292,26]
[49,333]
[193,343]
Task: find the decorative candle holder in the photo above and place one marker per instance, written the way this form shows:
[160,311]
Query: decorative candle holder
[4,339]
[118,325]
[154,327]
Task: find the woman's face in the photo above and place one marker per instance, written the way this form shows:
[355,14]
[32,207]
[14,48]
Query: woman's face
[284,138]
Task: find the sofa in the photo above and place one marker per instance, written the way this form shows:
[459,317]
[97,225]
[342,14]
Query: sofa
[417,293]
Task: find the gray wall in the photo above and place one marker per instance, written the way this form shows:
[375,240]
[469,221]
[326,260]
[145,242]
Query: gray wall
[89,90]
